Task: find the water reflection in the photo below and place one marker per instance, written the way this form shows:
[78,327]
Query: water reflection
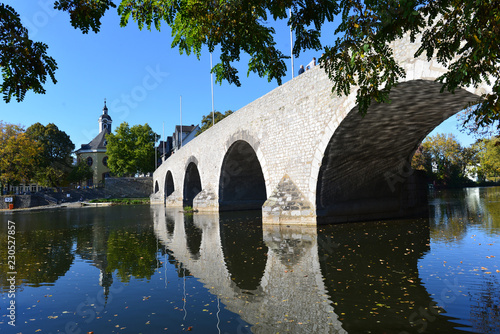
[283,292]
[453,213]
[372,276]
[419,276]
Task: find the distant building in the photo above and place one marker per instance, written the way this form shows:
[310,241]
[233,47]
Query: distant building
[188,134]
[164,150]
[94,153]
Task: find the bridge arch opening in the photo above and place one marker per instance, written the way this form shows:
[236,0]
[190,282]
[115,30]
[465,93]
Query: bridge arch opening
[169,184]
[157,188]
[241,184]
[192,184]
[366,169]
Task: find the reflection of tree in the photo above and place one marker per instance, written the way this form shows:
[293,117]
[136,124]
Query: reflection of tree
[371,274]
[244,250]
[42,256]
[485,306]
[491,201]
[132,254]
[455,211]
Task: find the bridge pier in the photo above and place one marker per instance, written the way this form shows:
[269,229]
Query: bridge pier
[287,205]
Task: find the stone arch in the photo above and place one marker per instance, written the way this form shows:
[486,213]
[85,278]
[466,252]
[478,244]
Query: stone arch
[169,184]
[192,182]
[255,144]
[156,187]
[241,183]
[365,170]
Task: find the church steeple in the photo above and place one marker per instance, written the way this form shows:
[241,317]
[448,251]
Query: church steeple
[105,120]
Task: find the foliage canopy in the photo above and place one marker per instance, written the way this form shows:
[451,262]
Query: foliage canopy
[207,121]
[24,64]
[18,154]
[444,159]
[131,150]
[463,35]
[489,157]
[55,162]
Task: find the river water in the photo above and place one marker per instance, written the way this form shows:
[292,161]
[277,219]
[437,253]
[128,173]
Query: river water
[147,269]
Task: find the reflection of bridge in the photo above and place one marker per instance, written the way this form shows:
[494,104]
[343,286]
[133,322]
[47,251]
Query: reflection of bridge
[304,274]
[290,295]
[300,153]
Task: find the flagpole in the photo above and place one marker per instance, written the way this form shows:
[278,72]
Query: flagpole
[291,45]
[212,86]
[181,119]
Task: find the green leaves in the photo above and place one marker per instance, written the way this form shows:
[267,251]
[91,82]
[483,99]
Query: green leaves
[85,15]
[24,64]
[207,120]
[54,163]
[462,35]
[131,150]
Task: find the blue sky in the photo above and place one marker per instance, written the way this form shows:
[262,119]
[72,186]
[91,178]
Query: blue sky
[138,73]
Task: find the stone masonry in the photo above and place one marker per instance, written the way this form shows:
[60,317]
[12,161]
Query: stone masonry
[317,155]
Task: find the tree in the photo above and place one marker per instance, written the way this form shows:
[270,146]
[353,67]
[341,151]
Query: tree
[131,150]
[24,64]
[489,157]
[54,165]
[444,159]
[18,155]
[207,120]
[81,171]
[463,35]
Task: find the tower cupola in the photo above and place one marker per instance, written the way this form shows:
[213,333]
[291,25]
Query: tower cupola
[105,120]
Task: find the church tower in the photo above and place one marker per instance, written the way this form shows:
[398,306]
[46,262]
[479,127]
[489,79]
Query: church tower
[105,120]
[94,153]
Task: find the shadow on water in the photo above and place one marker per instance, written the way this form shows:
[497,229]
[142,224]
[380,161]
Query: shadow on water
[371,274]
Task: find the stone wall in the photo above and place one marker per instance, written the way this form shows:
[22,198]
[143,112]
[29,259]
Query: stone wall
[315,142]
[22,201]
[128,187]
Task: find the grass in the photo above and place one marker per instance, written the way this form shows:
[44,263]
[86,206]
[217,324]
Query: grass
[122,201]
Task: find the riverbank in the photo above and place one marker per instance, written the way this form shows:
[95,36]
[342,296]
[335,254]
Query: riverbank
[101,202]
[121,201]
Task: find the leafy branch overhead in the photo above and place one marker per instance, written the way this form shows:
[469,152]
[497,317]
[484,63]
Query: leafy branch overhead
[463,35]
[24,64]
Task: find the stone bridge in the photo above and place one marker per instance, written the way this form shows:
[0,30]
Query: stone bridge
[304,155]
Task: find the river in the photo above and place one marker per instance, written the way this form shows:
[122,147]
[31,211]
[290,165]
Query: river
[148,269]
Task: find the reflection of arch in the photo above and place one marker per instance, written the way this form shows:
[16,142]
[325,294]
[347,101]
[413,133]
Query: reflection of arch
[169,184]
[241,184]
[193,237]
[245,261]
[156,186]
[365,168]
[192,183]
